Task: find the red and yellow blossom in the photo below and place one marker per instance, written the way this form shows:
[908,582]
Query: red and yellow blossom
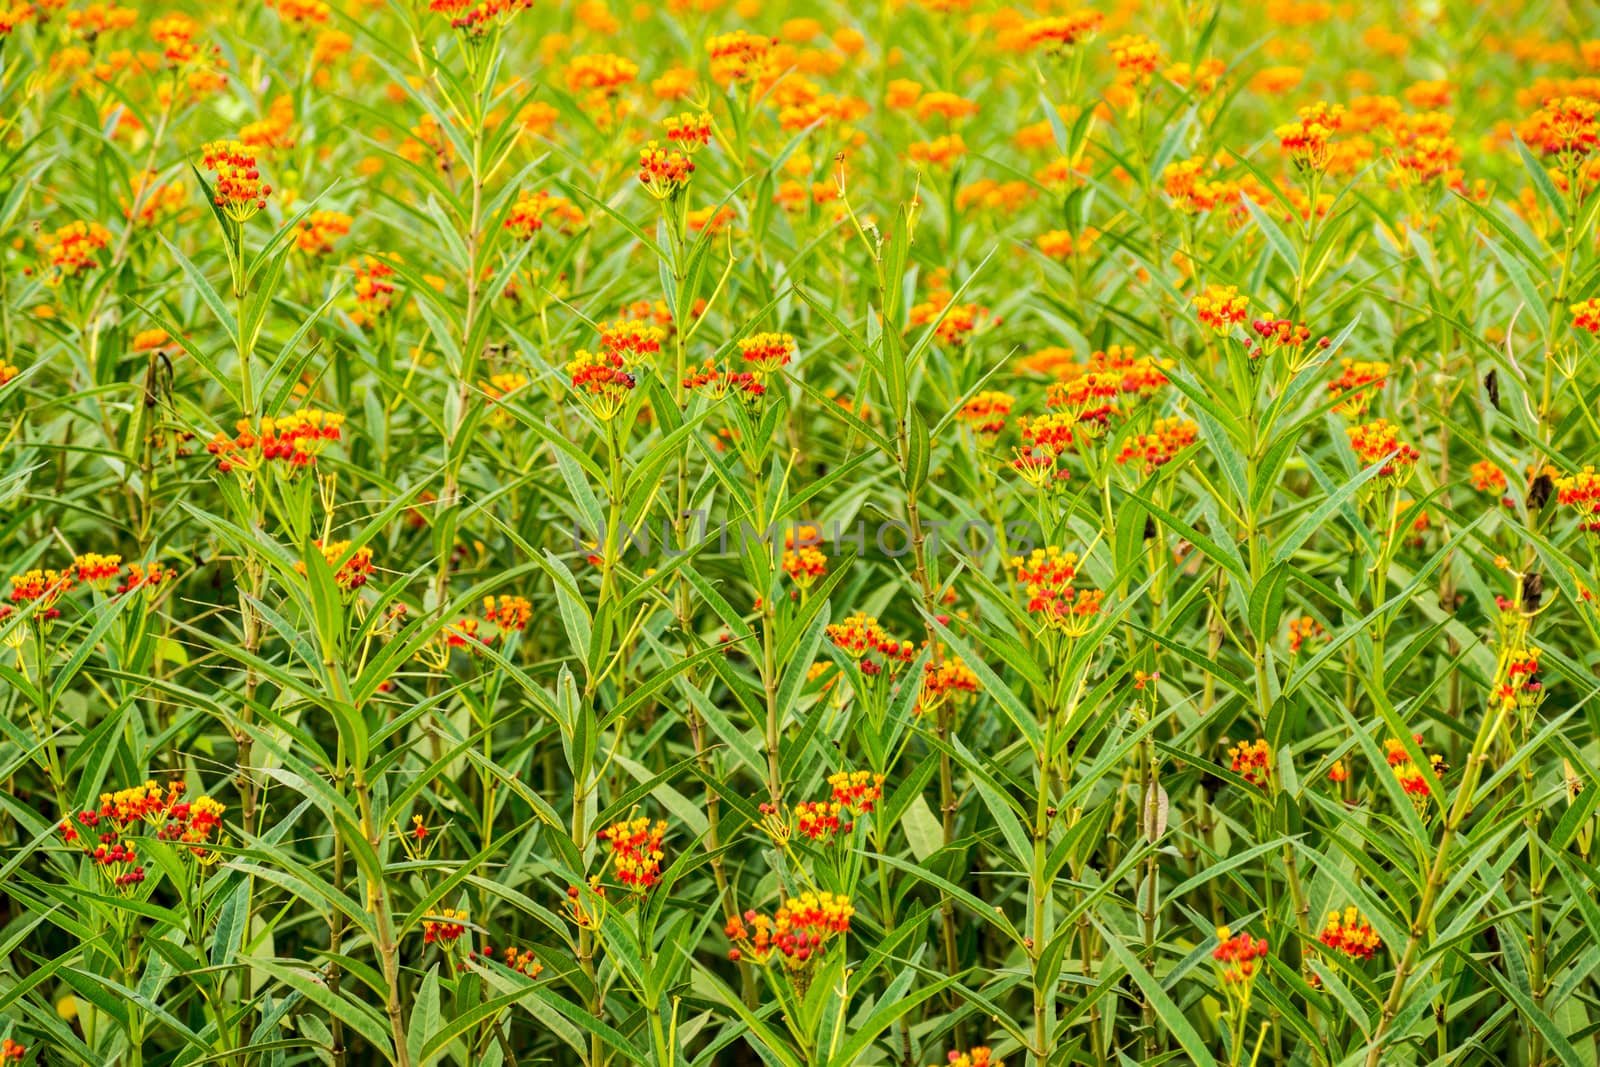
[238,189]
[635,850]
[1379,442]
[1252,761]
[1350,935]
[1221,307]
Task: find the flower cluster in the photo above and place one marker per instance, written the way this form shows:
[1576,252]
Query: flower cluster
[1047,577]
[1236,957]
[1221,307]
[351,574]
[635,851]
[1252,761]
[860,637]
[1379,442]
[287,444]
[1350,935]
[798,933]
[239,191]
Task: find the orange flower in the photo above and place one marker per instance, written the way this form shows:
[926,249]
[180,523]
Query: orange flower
[1306,140]
[767,352]
[738,56]
[605,74]
[239,191]
[981,1056]
[1586,316]
[939,152]
[798,933]
[1358,382]
[531,211]
[374,293]
[602,383]
[1252,761]
[1304,629]
[1350,935]
[508,612]
[288,443]
[73,249]
[690,131]
[444,930]
[986,412]
[319,230]
[1057,35]
[662,171]
[353,573]
[1236,958]
[948,106]
[1221,307]
[1581,493]
[1567,128]
[1154,450]
[1379,441]
[636,851]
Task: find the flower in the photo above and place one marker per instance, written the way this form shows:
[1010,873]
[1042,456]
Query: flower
[985,413]
[1358,382]
[1137,57]
[523,962]
[738,56]
[287,443]
[856,791]
[690,131]
[1518,687]
[1047,576]
[1154,450]
[1306,140]
[239,190]
[444,930]
[41,587]
[799,933]
[73,250]
[319,230]
[662,171]
[767,352]
[1379,442]
[1304,629]
[1236,958]
[1221,308]
[1057,35]
[373,292]
[1252,761]
[1191,192]
[353,573]
[10,1050]
[981,1056]
[861,638]
[598,378]
[96,569]
[509,613]
[475,18]
[604,73]
[636,851]
[818,820]
[1581,493]
[948,679]
[1350,935]
[1283,335]
[532,210]
[939,152]
[1567,128]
